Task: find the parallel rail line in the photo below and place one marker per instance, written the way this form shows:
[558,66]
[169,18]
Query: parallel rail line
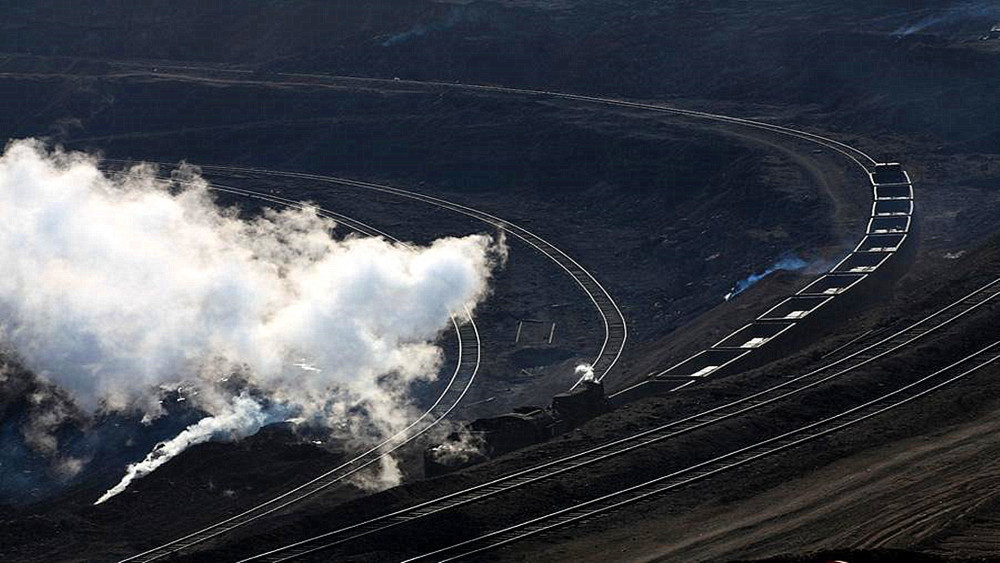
[614,322]
[898,340]
[615,326]
[466,368]
[586,510]
[615,336]
[612,318]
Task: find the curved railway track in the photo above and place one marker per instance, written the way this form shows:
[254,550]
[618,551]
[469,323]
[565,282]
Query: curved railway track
[868,354]
[615,337]
[736,458]
[615,327]
[612,319]
[468,351]
[614,323]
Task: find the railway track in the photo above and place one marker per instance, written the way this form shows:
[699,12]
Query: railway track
[614,325]
[882,348]
[935,381]
[467,366]
[612,318]
[615,336]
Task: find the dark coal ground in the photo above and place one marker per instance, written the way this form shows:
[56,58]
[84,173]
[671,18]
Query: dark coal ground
[667,213]
[581,169]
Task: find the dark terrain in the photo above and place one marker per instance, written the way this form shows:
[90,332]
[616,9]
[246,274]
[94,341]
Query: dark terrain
[667,212]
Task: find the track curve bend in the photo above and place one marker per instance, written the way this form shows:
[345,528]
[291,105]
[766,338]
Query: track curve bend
[613,319]
[867,353]
[468,351]
[614,324]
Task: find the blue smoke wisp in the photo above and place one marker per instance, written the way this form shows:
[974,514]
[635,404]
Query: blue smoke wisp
[951,14]
[788,262]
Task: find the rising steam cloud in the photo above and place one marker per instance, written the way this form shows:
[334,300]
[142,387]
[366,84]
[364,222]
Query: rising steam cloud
[115,287]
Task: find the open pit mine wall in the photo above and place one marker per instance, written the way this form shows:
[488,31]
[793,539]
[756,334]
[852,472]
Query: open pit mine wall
[863,280]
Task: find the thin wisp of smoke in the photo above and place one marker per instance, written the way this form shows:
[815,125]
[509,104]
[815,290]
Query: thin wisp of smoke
[117,286]
[950,14]
[787,263]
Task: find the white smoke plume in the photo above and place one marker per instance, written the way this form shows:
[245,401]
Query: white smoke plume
[115,287]
[585,372]
[243,417]
[47,414]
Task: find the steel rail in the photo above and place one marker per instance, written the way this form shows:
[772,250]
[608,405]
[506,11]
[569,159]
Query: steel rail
[613,321]
[842,148]
[446,402]
[902,338]
[850,152]
[736,458]
[855,155]
[847,150]
[615,326]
